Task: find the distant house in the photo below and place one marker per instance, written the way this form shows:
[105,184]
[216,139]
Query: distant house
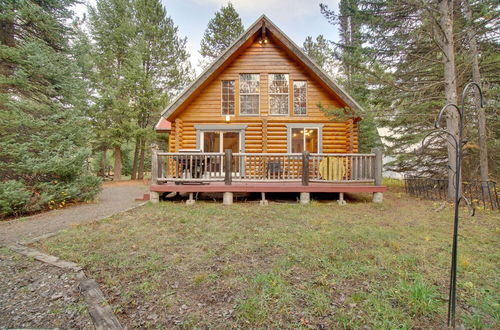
[261,101]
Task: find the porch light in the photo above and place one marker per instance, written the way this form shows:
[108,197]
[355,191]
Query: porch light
[262,40]
[228,118]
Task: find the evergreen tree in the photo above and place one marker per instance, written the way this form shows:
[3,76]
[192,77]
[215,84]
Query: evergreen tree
[163,71]
[321,52]
[349,54]
[112,31]
[221,31]
[406,49]
[43,130]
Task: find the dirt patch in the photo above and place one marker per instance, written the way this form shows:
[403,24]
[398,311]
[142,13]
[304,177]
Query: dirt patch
[36,295]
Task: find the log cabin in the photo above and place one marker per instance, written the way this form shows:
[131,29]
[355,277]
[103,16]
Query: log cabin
[255,121]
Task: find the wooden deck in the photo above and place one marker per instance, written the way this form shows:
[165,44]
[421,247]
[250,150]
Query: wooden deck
[268,187]
[228,173]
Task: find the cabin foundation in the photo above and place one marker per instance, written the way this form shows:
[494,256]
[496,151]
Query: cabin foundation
[305,197]
[378,197]
[191,200]
[341,200]
[263,201]
[154,197]
[227,198]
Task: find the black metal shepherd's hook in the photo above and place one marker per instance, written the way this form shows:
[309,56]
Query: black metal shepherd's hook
[458,142]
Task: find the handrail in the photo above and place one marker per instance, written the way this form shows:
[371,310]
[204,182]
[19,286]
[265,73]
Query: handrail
[199,167]
[161,153]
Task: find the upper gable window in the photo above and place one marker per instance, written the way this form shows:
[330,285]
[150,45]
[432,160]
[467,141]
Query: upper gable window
[278,93]
[299,97]
[249,93]
[227,97]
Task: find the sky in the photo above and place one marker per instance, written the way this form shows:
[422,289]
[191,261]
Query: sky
[297,18]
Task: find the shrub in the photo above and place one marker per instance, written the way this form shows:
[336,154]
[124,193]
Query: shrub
[13,198]
[16,199]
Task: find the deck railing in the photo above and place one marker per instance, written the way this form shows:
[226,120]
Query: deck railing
[196,167]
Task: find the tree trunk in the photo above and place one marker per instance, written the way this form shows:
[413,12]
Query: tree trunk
[140,174]
[102,170]
[118,164]
[135,161]
[476,77]
[450,87]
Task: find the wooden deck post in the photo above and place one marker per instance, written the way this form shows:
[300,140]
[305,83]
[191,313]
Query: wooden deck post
[305,168]
[305,197]
[377,173]
[228,166]
[377,166]
[154,196]
[227,198]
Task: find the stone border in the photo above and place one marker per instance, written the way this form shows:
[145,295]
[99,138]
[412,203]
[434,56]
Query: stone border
[100,311]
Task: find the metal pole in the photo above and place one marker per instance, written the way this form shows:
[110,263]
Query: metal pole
[458,142]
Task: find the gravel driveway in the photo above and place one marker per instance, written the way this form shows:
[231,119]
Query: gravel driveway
[114,198]
[37,295]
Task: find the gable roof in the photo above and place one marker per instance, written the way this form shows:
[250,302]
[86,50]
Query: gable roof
[247,37]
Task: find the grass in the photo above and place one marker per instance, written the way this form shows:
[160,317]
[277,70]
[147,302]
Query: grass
[290,266]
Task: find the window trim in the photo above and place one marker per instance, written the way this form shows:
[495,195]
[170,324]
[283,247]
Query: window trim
[319,127]
[293,100]
[240,94]
[222,98]
[269,95]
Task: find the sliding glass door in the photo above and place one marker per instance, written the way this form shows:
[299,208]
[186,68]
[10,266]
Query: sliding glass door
[219,141]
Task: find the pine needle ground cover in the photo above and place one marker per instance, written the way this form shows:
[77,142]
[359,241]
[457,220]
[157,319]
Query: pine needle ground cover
[286,265]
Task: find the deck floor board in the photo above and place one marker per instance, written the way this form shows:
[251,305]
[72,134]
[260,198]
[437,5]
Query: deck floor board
[267,187]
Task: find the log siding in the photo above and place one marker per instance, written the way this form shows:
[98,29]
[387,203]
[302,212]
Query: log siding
[264,132]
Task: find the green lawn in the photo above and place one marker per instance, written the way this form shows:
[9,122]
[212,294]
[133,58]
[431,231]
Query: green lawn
[286,265]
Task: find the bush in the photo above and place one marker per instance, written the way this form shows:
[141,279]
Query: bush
[16,199]
[13,198]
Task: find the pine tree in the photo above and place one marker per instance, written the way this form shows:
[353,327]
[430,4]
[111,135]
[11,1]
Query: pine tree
[43,130]
[112,31]
[348,53]
[221,31]
[163,70]
[406,51]
[321,52]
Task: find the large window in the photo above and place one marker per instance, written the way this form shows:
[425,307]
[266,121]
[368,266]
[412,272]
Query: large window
[218,141]
[305,139]
[227,97]
[249,93]
[278,94]
[300,97]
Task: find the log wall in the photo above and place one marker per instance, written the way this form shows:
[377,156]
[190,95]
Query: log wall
[265,133]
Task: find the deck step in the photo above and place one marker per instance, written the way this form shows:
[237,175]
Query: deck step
[144,197]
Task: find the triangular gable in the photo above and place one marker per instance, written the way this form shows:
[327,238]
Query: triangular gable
[245,40]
